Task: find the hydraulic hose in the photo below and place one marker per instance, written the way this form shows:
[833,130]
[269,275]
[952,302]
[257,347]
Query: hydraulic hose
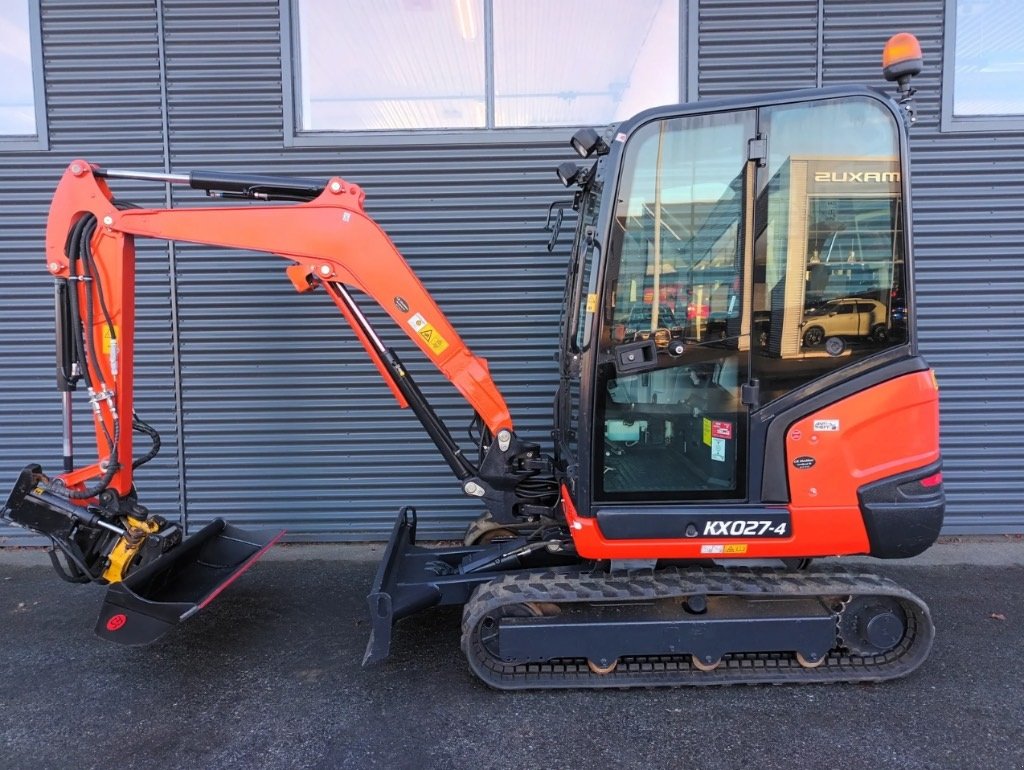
[80,249]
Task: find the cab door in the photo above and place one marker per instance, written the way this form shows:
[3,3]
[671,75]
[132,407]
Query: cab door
[673,340]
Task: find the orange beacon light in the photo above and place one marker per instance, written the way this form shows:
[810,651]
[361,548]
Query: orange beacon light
[902,58]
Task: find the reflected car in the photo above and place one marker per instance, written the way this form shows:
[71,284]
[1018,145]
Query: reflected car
[898,317]
[848,317]
[718,326]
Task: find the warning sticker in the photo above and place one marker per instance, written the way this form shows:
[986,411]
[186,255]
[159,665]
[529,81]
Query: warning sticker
[106,338]
[718,449]
[826,425]
[720,429]
[707,431]
[591,303]
[433,339]
[724,548]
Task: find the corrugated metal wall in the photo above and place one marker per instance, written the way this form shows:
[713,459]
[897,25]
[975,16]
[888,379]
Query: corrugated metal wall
[283,420]
[969,223]
[102,70]
[747,47]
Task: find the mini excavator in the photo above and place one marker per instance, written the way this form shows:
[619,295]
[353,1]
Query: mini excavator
[740,392]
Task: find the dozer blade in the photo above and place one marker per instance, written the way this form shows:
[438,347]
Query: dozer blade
[152,600]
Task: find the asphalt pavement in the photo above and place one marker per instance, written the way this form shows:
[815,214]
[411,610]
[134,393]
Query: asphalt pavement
[269,676]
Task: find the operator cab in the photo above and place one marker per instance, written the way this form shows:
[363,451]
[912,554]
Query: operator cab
[730,260]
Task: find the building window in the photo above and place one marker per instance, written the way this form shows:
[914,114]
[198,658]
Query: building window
[17,97]
[22,113]
[984,51]
[400,65]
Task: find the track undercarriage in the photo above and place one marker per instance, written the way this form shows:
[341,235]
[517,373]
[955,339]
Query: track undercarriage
[536,616]
[694,626]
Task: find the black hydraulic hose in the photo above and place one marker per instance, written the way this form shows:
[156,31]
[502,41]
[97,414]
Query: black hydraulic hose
[86,256]
[80,248]
[481,438]
[536,488]
[75,564]
[95,273]
[138,424]
[142,427]
[108,475]
[74,242]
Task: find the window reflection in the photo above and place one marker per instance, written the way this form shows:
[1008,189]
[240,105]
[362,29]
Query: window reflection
[680,257]
[483,63]
[541,79]
[828,251]
[17,98]
[989,58]
[677,429]
[431,76]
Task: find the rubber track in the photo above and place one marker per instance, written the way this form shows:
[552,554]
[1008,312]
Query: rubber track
[676,670]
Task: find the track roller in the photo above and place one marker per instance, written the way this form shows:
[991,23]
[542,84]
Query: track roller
[707,663]
[601,670]
[807,662]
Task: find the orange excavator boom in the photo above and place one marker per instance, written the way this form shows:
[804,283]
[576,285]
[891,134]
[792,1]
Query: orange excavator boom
[330,241]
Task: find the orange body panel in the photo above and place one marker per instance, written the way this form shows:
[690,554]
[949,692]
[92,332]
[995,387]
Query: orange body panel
[888,429]
[882,431]
[331,238]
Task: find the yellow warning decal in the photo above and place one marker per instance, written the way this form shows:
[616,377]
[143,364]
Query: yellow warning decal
[735,547]
[106,338]
[434,340]
[707,431]
[591,303]
[430,336]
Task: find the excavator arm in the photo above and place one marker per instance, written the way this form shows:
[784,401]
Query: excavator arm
[330,240]
[91,512]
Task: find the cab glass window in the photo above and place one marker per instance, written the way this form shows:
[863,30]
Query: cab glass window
[678,223]
[584,275]
[670,424]
[829,284]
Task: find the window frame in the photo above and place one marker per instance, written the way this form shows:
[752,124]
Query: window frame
[294,136]
[40,139]
[964,123]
